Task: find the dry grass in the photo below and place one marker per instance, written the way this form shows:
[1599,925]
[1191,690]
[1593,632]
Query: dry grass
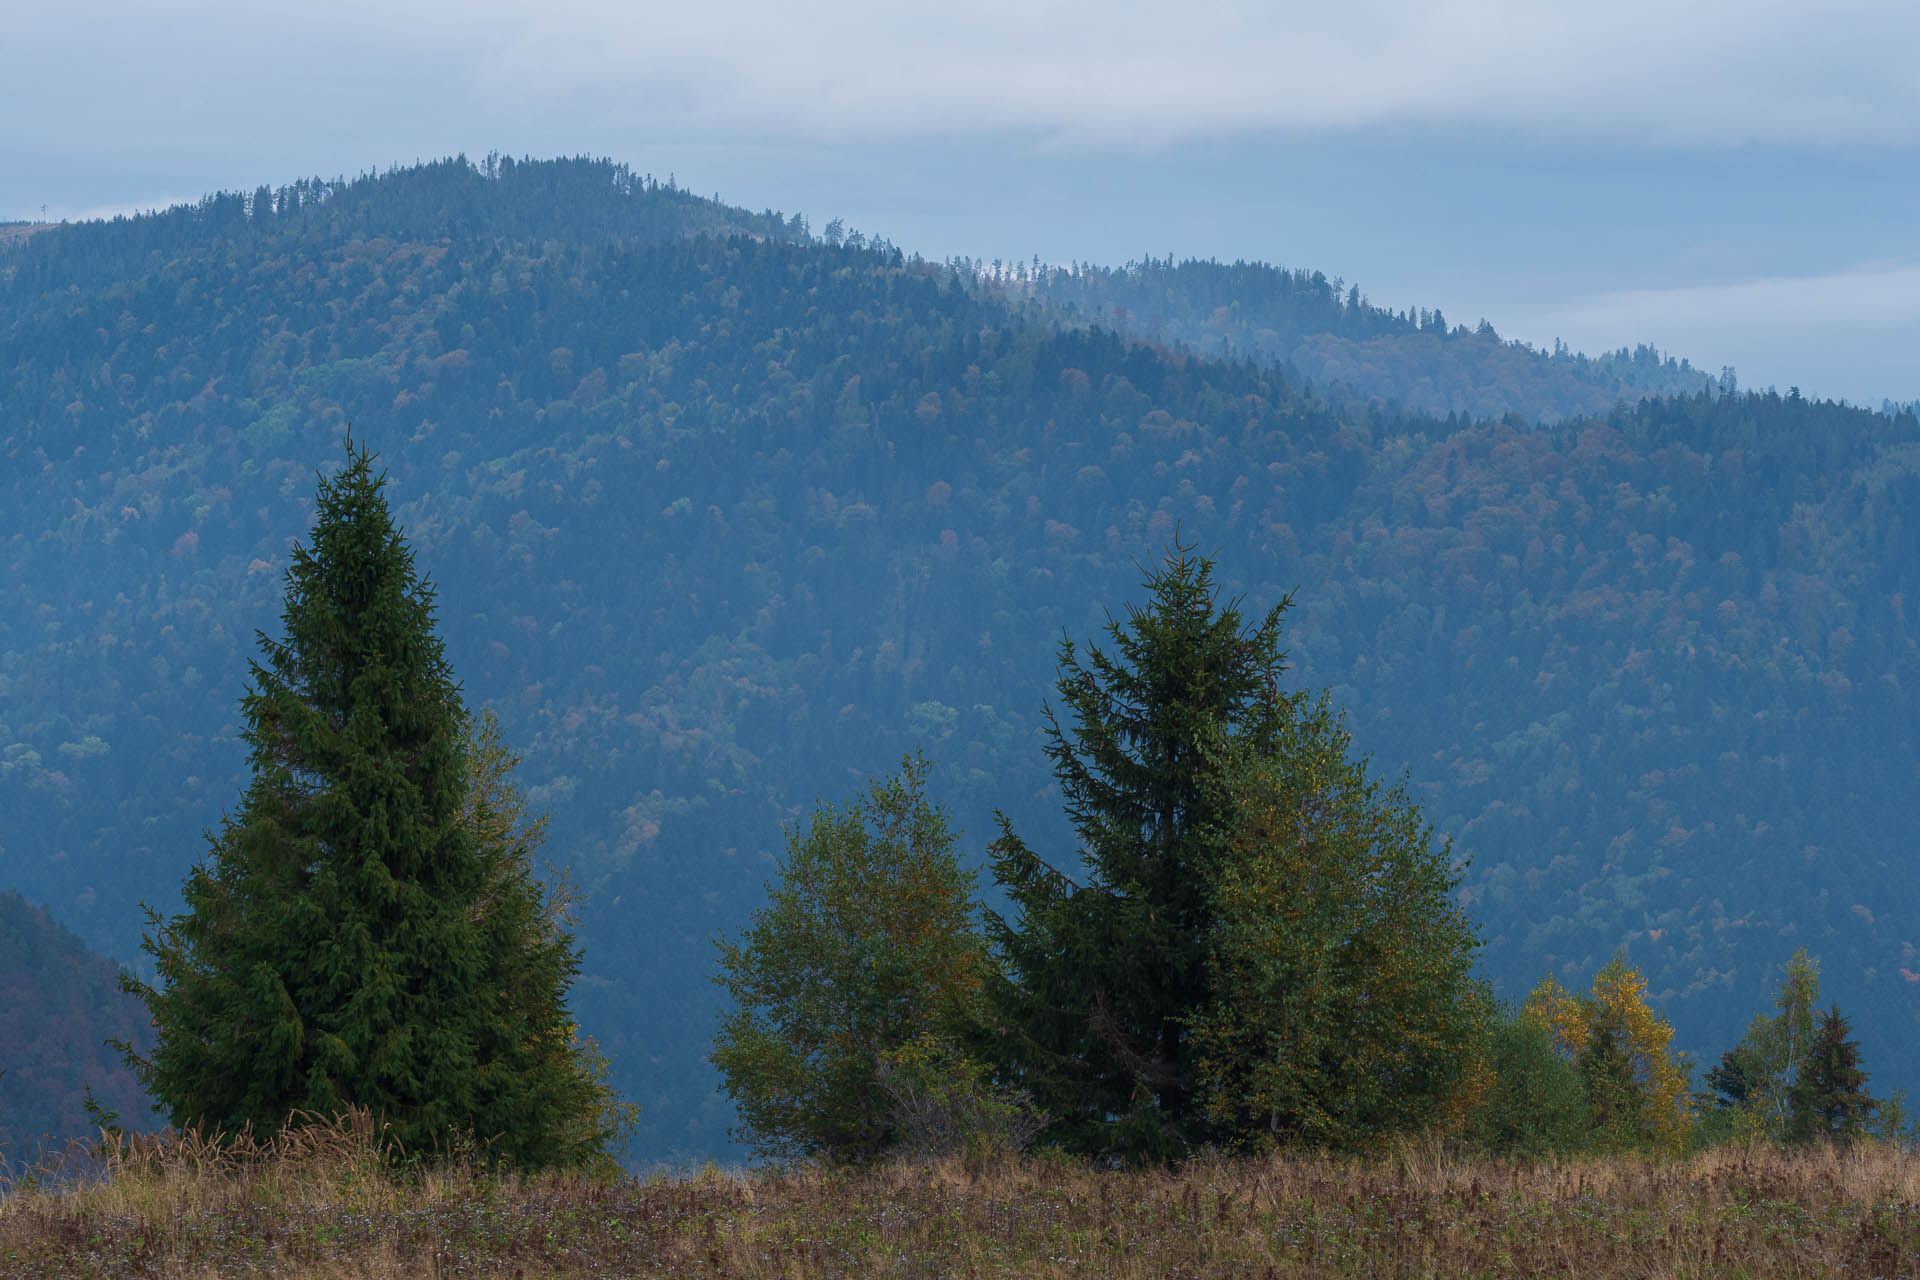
[323,1204]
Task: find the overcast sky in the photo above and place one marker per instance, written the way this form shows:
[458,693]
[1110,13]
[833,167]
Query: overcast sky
[1736,182]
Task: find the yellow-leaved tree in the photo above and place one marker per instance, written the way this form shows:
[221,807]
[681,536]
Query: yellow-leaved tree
[1635,1089]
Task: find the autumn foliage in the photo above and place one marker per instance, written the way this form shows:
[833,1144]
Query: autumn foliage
[1636,1092]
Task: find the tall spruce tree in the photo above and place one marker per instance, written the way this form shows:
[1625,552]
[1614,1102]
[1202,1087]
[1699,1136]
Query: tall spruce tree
[364,931]
[1830,1102]
[1263,947]
[1104,974]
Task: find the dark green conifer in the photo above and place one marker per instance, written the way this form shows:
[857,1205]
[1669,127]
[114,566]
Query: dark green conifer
[1105,973]
[364,931]
[1730,1083]
[1616,1097]
[1263,947]
[1829,1099]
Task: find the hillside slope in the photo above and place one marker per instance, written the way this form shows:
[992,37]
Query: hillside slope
[1335,336]
[721,522]
[59,1004]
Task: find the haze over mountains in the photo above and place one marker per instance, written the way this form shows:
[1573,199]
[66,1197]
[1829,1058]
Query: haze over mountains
[725,514]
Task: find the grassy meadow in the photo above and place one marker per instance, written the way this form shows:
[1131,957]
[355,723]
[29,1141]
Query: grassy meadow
[323,1203]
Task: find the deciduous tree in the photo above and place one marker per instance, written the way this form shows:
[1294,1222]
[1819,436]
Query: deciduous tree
[868,943]
[1533,1103]
[1757,1077]
[1636,1092]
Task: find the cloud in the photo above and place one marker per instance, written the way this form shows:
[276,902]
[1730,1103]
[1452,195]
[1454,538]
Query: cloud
[955,126]
[1872,295]
[1850,332]
[1116,72]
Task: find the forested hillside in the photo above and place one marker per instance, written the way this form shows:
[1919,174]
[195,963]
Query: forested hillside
[59,1004]
[724,517]
[1336,337]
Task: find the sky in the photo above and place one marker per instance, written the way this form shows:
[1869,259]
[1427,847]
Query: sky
[1737,183]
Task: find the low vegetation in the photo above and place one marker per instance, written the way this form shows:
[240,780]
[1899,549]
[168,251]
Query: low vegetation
[331,1201]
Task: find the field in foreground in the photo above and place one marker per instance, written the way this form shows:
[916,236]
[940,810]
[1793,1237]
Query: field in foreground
[327,1209]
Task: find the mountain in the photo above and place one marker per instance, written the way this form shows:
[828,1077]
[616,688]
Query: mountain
[724,516]
[59,1005]
[1333,336]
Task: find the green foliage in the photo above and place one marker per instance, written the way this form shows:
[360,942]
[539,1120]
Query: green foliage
[1731,1080]
[1781,1051]
[1759,1078]
[867,944]
[944,1102]
[532,960]
[1616,1095]
[1893,1122]
[1534,1103]
[1830,1102]
[1796,1078]
[1105,975]
[1634,1087]
[105,1121]
[1265,950]
[365,931]
[1342,1004]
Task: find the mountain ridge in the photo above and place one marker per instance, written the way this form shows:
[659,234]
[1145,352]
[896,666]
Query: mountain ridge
[1329,332]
